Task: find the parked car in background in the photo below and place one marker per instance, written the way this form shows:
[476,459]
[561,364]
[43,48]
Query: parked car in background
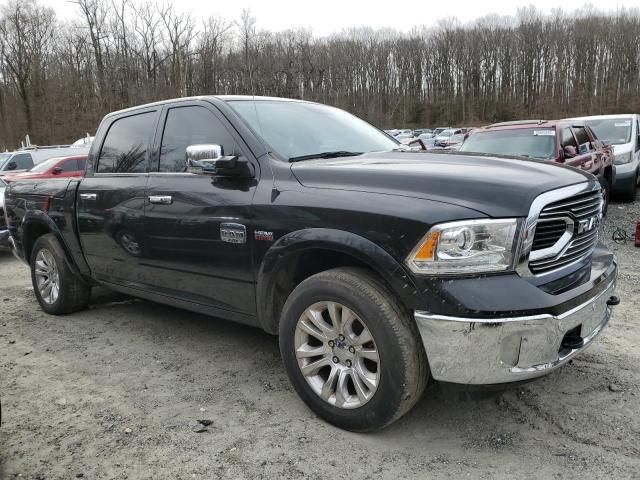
[428,140]
[622,132]
[26,158]
[404,133]
[563,141]
[454,141]
[443,138]
[422,131]
[439,130]
[53,168]
[4,232]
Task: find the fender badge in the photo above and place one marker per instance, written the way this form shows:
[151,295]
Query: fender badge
[263,235]
[233,233]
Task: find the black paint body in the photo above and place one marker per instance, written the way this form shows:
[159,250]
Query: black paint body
[372,209]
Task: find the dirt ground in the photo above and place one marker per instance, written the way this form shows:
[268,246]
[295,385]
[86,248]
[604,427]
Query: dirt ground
[115,392]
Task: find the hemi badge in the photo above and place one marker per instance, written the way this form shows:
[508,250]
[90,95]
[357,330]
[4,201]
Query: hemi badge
[262,235]
[233,233]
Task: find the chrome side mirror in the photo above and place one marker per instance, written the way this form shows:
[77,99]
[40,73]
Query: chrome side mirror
[203,156]
[209,159]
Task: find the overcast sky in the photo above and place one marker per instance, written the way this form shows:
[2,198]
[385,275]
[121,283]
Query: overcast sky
[328,16]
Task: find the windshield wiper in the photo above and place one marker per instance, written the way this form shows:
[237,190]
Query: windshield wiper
[336,154]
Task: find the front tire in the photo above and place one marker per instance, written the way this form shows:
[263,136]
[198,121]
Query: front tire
[629,194]
[57,289]
[351,351]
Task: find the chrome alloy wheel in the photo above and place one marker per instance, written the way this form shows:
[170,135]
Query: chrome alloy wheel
[47,276]
[337,355]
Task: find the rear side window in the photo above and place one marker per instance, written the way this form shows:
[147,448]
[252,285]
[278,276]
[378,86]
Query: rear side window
[584,142]
[125,148]
[82,164]
[23,161]
[192,125]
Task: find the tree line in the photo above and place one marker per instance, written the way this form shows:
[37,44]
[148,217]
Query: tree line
[59,77]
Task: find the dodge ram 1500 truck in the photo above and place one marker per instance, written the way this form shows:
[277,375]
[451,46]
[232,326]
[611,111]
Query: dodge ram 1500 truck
[378,267]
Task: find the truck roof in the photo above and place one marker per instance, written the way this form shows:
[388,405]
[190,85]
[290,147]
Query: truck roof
[224,98]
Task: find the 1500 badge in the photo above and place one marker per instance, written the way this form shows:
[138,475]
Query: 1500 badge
[233,233]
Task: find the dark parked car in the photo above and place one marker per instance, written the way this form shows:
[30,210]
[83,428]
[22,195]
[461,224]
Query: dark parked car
[567,142]
[378,267]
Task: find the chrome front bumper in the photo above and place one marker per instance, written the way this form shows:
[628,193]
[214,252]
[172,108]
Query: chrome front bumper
[489,351]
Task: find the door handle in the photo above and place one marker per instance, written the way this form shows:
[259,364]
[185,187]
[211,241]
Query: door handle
[88,196]
[161,199]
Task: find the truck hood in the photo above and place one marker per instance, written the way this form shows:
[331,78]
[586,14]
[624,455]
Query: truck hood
[495,186]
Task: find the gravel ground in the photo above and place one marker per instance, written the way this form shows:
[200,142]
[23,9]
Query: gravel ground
[117,391]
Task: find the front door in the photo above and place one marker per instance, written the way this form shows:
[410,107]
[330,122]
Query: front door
[199,226]
[111,200]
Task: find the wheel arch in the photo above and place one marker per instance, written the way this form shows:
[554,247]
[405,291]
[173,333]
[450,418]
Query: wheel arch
[35,226]
[300,254]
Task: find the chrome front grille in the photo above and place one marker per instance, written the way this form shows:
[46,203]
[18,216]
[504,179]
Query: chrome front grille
[566,231]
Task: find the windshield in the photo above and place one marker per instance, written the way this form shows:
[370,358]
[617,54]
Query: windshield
[297,129]
[526,142]
[46,165]
[3,159]
[615,131]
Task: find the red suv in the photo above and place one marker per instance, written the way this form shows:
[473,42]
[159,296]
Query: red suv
[53,168]
[567,142]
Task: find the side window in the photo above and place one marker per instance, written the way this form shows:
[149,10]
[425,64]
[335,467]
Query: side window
[69,165]
[23,161]
[187,126]
[82,164]
[584,144]
[567,139]
[637,135]
[125,148]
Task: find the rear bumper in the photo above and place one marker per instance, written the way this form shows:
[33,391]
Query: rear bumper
[485,351]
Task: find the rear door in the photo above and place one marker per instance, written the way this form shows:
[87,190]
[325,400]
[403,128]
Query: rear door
[110,203]
[190,218]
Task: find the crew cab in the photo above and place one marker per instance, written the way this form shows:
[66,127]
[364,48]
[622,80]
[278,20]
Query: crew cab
[56,167]
[569,142]
[379,268]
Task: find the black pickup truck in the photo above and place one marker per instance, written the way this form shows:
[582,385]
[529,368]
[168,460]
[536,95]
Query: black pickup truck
[378,267]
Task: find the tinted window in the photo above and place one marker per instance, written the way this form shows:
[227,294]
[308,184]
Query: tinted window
[82,164]
[584,142]
[526,142]
[23,161]
[69,165]
[191,126]
[567,139]
[125,148]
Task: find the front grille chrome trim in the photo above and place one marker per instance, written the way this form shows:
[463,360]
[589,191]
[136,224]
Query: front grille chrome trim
[564,245]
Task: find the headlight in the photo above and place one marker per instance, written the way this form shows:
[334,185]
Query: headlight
[470,246]
[622,158]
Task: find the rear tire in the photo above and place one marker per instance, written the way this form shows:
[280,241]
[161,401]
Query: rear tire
[361,305]
[57,289]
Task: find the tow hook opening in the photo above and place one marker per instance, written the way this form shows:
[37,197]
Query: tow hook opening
[613,301]
[572,339]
